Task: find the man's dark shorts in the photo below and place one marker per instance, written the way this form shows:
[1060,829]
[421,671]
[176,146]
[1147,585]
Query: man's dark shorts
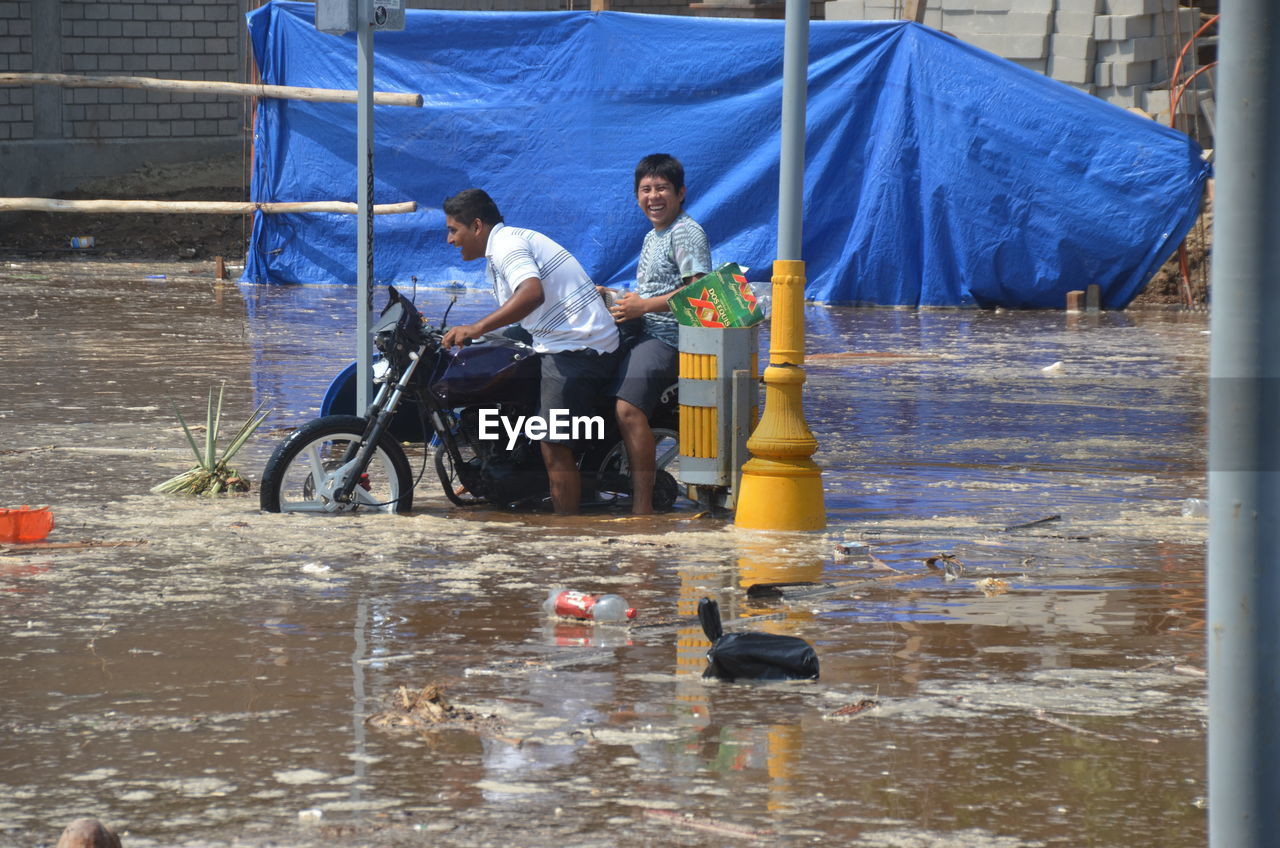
[575,380]
[649,367]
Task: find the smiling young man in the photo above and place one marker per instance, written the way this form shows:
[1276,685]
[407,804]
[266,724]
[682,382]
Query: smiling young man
[675,253]
[539,285]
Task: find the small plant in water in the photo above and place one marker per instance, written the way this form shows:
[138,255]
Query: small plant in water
[212,474]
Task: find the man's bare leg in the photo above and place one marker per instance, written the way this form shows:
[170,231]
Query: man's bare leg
[562,471]
[633,424]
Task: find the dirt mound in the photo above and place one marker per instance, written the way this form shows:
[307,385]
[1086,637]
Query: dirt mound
[1167,286]
[135,235]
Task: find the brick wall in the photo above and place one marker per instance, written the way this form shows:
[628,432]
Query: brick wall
[57,137]
[176,39]
[16,109]
[193,40]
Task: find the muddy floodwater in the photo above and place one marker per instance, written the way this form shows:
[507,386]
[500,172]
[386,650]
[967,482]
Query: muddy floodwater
[212,675]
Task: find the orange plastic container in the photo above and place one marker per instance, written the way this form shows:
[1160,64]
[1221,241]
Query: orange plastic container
[25,523]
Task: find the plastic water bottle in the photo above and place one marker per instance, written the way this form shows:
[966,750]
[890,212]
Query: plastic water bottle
[565,604]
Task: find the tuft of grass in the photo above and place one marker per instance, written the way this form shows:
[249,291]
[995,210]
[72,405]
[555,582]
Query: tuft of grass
[212,472]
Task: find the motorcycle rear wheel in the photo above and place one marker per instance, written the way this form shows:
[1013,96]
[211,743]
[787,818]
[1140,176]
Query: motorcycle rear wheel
[306,464]
[614,465]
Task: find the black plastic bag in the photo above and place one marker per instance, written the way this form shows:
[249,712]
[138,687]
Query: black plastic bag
[754,656]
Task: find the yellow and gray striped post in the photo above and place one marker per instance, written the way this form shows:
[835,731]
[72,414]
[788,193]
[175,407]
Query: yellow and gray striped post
[708,359]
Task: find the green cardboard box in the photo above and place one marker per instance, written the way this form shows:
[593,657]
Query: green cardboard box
[722,298]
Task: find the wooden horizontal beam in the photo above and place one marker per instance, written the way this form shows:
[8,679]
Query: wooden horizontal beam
[237,89]
[194,207]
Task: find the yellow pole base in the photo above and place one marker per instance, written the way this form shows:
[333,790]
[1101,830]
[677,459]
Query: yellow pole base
[781,486]
[780,494]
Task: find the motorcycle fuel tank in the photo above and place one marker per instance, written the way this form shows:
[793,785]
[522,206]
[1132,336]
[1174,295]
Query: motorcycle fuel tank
[493,370]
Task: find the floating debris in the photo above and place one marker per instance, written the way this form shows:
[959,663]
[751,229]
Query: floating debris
[1044,716]
[16,548]
[878,564]
[846,551]
[1036,523]
[37,449]
[429,710]
[951,566]
[808,590]
[853,710]
[710,825]
[992,586]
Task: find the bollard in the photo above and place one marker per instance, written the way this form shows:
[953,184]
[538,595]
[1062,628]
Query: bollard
[1093,297]
[712,362]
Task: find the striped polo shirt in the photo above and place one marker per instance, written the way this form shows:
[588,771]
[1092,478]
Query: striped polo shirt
[572,315]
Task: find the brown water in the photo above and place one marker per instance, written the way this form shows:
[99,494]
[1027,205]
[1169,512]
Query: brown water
[210,684]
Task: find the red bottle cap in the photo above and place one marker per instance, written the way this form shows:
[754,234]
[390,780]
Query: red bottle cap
[631,612]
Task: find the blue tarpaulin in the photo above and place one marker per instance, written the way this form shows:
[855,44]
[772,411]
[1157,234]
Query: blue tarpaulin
[936,174]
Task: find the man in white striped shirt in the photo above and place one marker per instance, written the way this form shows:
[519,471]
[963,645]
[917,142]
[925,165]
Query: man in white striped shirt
[541,286]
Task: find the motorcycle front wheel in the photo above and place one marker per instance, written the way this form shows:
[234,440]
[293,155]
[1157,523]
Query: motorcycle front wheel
[307,465]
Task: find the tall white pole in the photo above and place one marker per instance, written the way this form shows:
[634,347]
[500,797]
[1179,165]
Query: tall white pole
[1244,437]
[364,205]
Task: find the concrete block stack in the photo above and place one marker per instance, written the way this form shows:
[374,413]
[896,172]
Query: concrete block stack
[1122,51]
[1018,31]
[877,10]
[1138,43]
[1073,46]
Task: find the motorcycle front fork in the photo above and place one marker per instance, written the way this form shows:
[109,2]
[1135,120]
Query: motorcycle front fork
[378,418]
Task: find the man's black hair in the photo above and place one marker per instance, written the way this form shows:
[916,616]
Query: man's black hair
[660,165]
[470,204]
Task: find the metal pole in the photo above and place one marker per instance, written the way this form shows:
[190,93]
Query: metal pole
[744,395]
[1244,454]
[781,487]
[364,205]
[795,80]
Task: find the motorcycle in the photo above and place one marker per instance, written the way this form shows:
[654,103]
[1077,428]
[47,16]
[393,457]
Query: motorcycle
[345,463]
